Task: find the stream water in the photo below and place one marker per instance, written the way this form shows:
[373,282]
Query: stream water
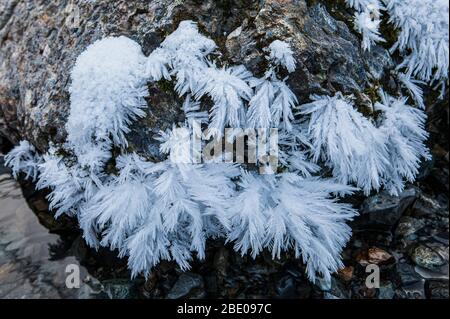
[29,267]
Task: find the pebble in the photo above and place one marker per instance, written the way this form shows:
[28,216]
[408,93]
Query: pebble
[409,226]
[285,288]
[426,257]
[187,285]
[386,291]
[120,288]
[346,273]
[375,256]
[384,210]
[438,289]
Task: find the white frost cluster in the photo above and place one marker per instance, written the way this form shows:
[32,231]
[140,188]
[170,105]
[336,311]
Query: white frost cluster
[281,54]
[106,94]
[361,152]
[71,186]
[367,20]
[403,128]
[346,141]
[183,55]
[286,211]
[23,158]
[273,101]
[423,38]
[167,210]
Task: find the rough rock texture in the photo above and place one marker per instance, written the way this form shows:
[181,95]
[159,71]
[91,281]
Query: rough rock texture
[40,40]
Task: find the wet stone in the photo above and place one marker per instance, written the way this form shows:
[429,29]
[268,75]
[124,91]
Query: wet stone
[438,289]
[188,285]
[285,288]
[120,289]
[375,256]
[304,290]
[337,291]
[426,206]
[366,293]
[386,291]
[406,273]
[426,257]
[221,262]
[346,273]
[408,227]
[414,290]
[40,205]
[383,210]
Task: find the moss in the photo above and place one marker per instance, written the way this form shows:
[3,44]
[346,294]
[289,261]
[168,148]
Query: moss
[372,92]
[110,167]
[166,86]
[389,32]
[64,153]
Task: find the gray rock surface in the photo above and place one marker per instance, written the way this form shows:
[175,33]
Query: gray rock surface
[383,210]
[187,285]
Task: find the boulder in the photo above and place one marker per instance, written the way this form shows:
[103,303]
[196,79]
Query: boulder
[40,41]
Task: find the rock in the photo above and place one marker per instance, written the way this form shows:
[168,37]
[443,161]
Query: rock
[408,227]
[375,256]
[426,257]
[386,291]
[442,273]
[383,210]
[325,48]
[367,293]
[120,289]
[425,169]
[221,262]
[346,273]
[241,46]
[337,291]
[378,61]
[5,145]
[406,273]
[438,289]
[92,289]
[150,283]
[40,205]
[304,290]
[413,291]
[441,249]
[258,271]
[285,288]
[188,285]
[212,285]
[426,206]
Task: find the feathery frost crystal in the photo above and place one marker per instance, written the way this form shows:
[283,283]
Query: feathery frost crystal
[23,158]
[423,38]
[367,21]
[359,151]
[403,129]
[346,141]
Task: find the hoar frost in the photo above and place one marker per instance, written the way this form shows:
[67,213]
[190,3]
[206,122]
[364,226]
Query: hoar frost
[423,39]
[167,210]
